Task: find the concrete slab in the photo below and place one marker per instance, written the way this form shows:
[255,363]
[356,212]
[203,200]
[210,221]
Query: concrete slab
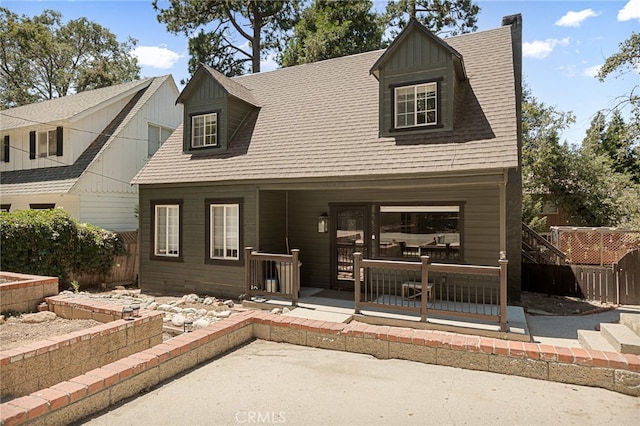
[591,339]
[271,383]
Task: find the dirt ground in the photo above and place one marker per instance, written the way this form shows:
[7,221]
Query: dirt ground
[14,332]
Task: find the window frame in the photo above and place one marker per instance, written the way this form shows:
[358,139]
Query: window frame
[194,116]
[42,206]
[160,142]
[430,204]
[154,255]
[5,208]
[438,107]
[208,204]
[48,154]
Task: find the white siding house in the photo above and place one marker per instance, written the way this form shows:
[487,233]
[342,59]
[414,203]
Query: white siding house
[80,152]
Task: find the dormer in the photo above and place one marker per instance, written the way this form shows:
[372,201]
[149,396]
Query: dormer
[215,107]
[419,76]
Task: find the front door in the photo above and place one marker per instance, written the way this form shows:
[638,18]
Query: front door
[350,234]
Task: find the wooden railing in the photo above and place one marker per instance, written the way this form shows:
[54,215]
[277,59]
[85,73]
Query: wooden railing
[536,249]
[448,289]
[269,274]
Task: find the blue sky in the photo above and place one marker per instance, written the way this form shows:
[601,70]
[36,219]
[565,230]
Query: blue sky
[564,43]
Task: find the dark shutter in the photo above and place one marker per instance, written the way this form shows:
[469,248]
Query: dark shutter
[59,141]
[32,145]
[5,147]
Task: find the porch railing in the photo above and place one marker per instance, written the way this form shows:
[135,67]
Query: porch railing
[448,289]
[269,274]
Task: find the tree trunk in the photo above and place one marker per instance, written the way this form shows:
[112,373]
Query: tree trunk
[255,42]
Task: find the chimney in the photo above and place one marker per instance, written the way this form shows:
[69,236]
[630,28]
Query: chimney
[515,22]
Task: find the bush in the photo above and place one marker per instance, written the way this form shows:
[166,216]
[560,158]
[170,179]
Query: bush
[50,242]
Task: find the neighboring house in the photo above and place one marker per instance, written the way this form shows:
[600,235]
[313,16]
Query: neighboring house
[80,152]
[397,153]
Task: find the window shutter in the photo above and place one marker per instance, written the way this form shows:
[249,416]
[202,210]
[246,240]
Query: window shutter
[32,145]
[5,147]
[59,141]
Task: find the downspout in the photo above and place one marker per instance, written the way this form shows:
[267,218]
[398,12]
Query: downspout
[286,220]
[257,241]
[502,189]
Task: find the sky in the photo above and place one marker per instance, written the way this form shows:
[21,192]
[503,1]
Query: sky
[564,43]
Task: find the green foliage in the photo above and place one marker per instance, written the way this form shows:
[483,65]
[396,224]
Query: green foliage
[584,181]
[451,17]
[260,25]
[75,285]
[52,243]
[42,58]
[331,29]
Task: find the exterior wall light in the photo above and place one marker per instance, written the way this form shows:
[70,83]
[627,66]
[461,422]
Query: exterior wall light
[323,223]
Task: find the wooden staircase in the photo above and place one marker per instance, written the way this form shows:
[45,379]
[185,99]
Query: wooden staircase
[623,338]
[536,249]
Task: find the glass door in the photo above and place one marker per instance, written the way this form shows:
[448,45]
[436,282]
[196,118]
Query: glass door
[350,234]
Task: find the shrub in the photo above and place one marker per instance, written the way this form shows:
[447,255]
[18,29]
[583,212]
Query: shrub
[50,242]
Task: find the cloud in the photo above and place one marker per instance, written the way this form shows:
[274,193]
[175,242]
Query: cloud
[630,11]
[156,57]
[574,19]
[591,71]
[269,63]
[540,49]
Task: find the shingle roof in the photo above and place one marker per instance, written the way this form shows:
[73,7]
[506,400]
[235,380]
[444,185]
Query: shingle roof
[64,108]
[62,178]
[320,120]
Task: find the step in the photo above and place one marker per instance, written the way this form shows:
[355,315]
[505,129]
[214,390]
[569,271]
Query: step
[632,321]
[591,339]
[621,337]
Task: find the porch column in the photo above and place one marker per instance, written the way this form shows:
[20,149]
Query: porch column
[502,189]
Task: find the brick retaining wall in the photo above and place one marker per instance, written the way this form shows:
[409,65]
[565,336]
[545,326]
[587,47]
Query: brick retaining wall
[23,293]
[96,390]
[41,364]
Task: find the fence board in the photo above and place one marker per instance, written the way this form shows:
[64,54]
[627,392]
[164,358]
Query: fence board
[619,283]
[628,270]
[125,267]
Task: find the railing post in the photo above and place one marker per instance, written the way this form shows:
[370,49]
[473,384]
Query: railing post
[295,270]
[247,270]
[357,257]
[424,296]
[503,291]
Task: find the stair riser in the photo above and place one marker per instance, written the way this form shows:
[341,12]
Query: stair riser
[631,321]
[621,338]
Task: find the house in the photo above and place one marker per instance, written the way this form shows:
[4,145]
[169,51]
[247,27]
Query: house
[79,152]
[395,153]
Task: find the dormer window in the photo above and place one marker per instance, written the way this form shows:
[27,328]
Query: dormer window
[416,105]
[204,130]
[47,143]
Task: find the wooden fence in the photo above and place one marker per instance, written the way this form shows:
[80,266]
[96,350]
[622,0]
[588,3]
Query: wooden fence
[618,283]
[125,267]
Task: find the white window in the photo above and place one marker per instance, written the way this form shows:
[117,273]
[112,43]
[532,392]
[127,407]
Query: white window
[416,105]
[204,130]
[225,231]
[167,230]
[47,143]
[157,135]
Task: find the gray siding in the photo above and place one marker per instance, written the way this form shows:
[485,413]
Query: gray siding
[192,274]
[481,233]
[418,58]
[209,97]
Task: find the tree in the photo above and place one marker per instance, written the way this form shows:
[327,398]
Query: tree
[580,180]
[625,61]
[331,29]
[451,17]
[41,58]
[260,25]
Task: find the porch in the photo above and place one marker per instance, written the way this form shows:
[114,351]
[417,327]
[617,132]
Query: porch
[448,297]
